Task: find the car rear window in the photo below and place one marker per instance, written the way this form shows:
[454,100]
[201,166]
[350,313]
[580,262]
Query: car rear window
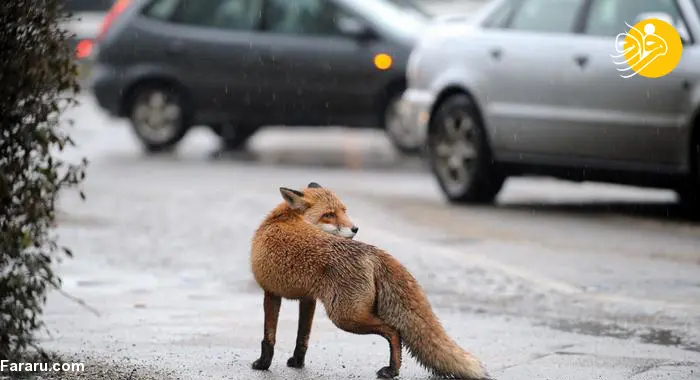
[74,6]
[607,16]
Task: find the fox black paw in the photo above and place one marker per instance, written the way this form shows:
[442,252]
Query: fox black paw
[295,362]
[261,364]
[387,373]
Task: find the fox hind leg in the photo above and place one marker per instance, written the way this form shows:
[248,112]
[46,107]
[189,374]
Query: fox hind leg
[307,308]
[370,324]
[394,339]
[271,306]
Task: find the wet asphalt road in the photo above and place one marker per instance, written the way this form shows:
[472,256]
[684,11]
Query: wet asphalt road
[558,281]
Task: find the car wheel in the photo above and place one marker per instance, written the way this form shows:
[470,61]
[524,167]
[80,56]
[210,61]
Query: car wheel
[234,137]
[405,139]
[459,154]
[158,116]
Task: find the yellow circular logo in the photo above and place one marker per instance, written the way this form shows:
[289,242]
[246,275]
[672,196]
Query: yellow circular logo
[652,48]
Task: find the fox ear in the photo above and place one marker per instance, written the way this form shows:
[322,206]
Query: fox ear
[294,198]
[314,185]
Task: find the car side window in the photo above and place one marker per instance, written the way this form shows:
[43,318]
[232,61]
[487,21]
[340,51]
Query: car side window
[500,16]
[547,16]
[220,14]
[305,17]
[162,10]
[608,17]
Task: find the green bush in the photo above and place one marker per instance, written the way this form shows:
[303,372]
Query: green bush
[37,82]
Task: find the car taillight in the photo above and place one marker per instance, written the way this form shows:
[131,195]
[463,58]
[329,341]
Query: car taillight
[83,49]
[117,8]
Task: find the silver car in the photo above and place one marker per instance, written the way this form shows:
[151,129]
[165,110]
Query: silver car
[531,87]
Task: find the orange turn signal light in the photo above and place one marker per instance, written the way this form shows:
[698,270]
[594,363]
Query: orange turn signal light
[383,61]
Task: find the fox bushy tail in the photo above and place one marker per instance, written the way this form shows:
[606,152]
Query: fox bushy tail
[402,304]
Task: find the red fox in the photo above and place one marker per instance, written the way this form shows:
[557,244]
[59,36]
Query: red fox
[304,251]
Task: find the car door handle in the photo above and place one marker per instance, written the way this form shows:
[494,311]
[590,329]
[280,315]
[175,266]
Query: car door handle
[496,53]
[581,60]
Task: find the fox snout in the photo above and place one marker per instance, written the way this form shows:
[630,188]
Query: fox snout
[346,232]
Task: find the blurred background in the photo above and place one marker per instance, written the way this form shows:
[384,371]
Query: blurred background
[544,195]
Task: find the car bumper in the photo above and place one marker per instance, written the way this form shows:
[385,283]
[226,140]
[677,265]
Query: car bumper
[415,109]
[105,84]
[83,66]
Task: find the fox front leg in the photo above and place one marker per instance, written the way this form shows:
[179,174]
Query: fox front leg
[306,316]
[271,306]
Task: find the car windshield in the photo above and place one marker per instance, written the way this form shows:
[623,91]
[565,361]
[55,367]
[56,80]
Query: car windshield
[74,6]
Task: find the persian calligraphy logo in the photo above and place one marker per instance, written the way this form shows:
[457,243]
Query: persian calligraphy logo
[652,48]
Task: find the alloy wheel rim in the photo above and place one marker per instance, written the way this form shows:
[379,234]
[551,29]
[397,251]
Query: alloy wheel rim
[157,117]
[455,151]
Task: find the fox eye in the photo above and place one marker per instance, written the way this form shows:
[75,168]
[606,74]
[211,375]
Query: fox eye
[329,215]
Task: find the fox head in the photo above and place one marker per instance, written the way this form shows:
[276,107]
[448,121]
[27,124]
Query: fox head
[321,208]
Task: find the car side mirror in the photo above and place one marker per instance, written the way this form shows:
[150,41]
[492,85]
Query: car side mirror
[680,26]
[356,29]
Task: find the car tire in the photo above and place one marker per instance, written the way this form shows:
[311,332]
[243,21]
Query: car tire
[234,138]
[459,154]
[158,116]
[404,139]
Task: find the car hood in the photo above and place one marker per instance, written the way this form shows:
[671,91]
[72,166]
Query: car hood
[448,26]
[439,26]
[450,18]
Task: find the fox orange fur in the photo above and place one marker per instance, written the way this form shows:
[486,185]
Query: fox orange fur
[304,251]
